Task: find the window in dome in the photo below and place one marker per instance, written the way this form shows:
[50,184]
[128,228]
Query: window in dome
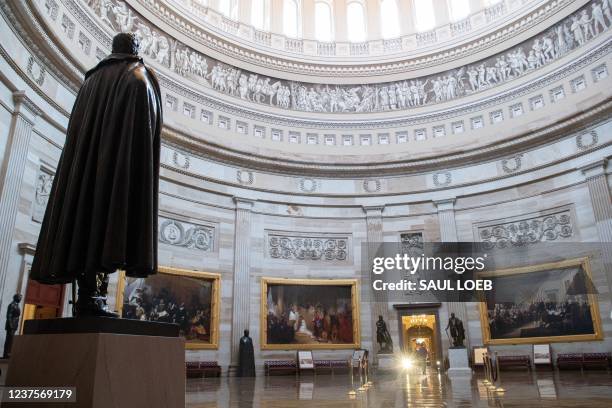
[291,18]
[229,8]
[458,127]
[402,137]
[330,140]
[323,21]
[425,18]
[489,3]
[355,22]
[260,14]
[383,138]
[389,19]
[312,138]
[366,140]
[558,93]
[459,9]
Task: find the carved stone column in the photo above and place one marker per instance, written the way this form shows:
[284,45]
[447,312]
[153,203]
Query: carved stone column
[11,179]
[406,11]
[244,11]
[340,21]
[276,19]
[379,299]
[241,298]
[601,200]
[448,233]
[373,16]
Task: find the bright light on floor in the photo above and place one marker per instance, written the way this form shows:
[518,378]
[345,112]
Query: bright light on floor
[406,363]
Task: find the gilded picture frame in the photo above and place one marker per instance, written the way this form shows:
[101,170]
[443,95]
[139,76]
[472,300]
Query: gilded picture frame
[215,284]
[593,306]
[267,283]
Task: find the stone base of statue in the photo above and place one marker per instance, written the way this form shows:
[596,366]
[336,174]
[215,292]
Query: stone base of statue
[458,362]
[386,362]
[111,362]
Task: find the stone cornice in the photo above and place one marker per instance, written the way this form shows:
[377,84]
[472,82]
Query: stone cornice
[197,146]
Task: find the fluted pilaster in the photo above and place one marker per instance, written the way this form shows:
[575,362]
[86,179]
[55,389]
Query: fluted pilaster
[13,168]
[375,237]
[241,298]
[601,200]
[448,233]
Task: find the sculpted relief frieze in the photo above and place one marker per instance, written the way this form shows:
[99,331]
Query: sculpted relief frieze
[309,248]
[527,231]
[42,189]
[587,23]
[185,234]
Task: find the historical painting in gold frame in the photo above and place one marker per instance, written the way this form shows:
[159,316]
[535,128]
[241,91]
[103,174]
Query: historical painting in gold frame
[188,298]
[546,303]
[299,314]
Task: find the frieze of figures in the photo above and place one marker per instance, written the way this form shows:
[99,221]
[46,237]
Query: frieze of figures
[572,32]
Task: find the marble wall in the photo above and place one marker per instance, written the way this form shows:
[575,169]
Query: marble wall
[237,210]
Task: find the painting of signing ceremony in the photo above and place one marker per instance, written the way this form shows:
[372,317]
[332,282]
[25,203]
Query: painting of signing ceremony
[548,303]
[305,314]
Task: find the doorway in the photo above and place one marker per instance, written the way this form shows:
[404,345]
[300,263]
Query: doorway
[42,301]
[419,326]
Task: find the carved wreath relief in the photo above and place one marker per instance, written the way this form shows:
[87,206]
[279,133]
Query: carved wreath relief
[184,234]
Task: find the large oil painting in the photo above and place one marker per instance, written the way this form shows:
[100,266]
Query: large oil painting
[309,314]
[552,302]
[187,298]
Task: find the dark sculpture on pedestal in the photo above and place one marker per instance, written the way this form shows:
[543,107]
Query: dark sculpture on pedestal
[383,338]
[457,332]
[12,323]
[246,356]
[102,210]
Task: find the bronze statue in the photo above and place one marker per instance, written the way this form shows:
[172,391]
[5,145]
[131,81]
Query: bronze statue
[12,323]
[456,331]
[246,356]
[102,210]
[383,338]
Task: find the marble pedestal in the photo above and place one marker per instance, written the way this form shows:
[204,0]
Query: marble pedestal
[107,369]
[458,362]
[386,362]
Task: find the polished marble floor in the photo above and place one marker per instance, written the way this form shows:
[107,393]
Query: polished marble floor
[522,389]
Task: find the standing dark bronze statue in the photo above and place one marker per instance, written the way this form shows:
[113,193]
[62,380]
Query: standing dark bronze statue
[457,332]
[246,356]
[383,338]
[12,323]
[102,210]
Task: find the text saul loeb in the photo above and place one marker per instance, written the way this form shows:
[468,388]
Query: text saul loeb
[411,265]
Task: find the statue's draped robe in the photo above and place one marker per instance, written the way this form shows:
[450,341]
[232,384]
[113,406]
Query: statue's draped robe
[102,210]
[246,358]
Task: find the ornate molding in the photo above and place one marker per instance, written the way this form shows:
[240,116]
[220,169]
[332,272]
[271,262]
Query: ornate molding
[42,189]
[505,66]
[201,31]
[185,234]
[307,248]
[527,231]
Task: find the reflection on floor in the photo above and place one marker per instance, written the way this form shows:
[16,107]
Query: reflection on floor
[523,389]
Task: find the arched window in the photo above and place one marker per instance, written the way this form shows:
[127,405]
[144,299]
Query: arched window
[355,22]
[424,16]
[459,9]
[229,8]
[389,19]
[291,18]
[323,21]
[260,14]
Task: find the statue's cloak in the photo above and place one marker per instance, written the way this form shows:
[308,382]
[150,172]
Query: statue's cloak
[102,210]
